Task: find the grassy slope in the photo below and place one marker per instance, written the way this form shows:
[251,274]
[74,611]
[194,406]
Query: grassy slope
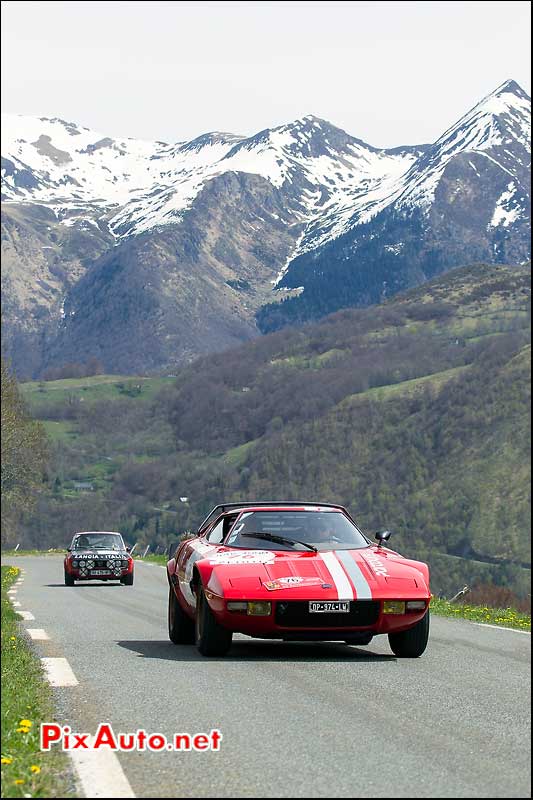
[447,323]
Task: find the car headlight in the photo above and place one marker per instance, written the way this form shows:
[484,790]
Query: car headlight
[110,564]
[89,564]
[393,607]
[259,609]
[75,562]
[125,563]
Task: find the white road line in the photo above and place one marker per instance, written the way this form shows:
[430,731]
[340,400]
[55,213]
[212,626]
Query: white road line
[100,774]
[59,672]
[501,628]
[27,615]
[38,634]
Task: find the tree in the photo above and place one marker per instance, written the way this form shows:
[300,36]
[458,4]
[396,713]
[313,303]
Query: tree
[23,455]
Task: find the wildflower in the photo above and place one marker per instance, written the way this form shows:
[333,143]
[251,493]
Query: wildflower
[27,723]
[7,760]
[35,769]
[23,730]
[19,781]
[12,638]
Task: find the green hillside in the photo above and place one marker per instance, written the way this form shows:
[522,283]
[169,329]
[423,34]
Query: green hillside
[415,414]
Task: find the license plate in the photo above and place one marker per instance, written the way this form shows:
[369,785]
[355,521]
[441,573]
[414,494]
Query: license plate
[329,607]
[99,572]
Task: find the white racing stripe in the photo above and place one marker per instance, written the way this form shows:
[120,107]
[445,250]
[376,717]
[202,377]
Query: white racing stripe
[59,673]
[362,589]
[38,634]
[342,584]
[100,774]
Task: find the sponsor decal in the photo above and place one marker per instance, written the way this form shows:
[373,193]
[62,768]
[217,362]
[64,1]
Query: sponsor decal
[376,563]
[198,551]
[291,582]
[243,557]
[100,555]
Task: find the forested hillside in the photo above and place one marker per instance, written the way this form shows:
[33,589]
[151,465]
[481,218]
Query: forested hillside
[415,414]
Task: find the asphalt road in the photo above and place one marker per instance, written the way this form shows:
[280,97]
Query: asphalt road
[298,720]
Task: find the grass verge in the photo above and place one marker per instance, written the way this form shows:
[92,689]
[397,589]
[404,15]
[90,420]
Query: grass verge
[26,702]
[506,617]
[161,559]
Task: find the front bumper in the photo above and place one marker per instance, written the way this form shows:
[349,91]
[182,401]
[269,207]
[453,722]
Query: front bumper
[290,619]
[99,572]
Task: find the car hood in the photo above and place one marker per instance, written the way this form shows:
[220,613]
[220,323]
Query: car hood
[362,574]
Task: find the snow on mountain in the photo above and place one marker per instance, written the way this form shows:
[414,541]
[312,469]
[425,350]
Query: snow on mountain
[109,231]
[464,198]
[332,181]
[136,185]
[502,118]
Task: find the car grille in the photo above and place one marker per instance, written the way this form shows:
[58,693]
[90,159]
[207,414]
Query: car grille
[101,563]
[295,614]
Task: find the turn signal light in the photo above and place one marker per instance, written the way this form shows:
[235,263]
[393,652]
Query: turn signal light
[236,606]
[416,605]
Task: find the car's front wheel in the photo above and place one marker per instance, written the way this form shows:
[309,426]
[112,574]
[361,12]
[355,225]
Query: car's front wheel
[211,638]
[180,626]
[69,580]
[411,643]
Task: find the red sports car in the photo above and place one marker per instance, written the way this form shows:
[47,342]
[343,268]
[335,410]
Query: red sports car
[294,571]
[98,555]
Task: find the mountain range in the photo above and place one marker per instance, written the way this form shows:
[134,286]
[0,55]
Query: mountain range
[147,254]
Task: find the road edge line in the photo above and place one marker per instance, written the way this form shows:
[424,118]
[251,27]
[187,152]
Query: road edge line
[100,773]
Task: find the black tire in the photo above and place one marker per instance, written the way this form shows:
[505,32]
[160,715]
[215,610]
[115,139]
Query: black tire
[211,638]
[180,626]
[127,580]
[411,643]
[69,580]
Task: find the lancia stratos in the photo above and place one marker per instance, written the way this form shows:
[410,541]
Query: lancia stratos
[98,555]
[297,572]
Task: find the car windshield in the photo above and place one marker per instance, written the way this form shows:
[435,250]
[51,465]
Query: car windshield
[98,541]
[320,530]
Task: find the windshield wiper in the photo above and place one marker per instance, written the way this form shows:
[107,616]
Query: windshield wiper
[272,537]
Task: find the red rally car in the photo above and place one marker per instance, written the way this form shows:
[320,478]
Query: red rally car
[294,571]
[98,555]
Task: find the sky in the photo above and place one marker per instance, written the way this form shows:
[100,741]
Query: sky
[390,73]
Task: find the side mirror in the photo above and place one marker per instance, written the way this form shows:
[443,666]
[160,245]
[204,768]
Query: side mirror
[69,549]
[128,549]
[382,536]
